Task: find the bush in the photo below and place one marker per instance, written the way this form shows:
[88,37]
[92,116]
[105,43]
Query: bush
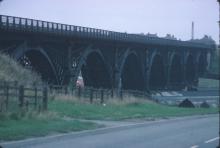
[12,71]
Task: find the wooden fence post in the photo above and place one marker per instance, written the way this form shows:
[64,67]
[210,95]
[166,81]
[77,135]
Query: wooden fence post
[51,89]
[79,92]
[21,96]
[66,90]
[45,99]
[16,83]
[112,93]
[26,105]
[6,95]
[16,88]
[102,96]
[35,98]
[107,94]
[121,94]
[91,96]
[72,89]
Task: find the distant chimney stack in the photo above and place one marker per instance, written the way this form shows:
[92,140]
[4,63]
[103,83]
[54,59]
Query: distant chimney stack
[192,37]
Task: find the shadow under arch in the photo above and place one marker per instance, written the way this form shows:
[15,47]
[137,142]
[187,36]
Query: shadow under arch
[190,69]
[175,72]
[157,78]
[131,72]
[94,71]
[38,60]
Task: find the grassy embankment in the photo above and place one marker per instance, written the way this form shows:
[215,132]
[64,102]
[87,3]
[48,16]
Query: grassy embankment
[117,110]
[22,125]
[32,124]
[129,108]
[10,70]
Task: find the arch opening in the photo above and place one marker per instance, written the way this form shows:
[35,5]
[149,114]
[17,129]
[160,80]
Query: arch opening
[37,62]
[190,70]
[94,72]
[176,72]
[131,75]
[157,77]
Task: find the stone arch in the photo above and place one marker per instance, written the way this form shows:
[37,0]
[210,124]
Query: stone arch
[175,71]
[157,77]
[40,62]
[131,75]
[190,69]
[94,69]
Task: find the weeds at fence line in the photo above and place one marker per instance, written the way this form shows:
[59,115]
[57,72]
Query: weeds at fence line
[94,95]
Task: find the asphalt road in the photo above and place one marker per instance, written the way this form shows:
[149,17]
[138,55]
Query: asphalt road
[181,133]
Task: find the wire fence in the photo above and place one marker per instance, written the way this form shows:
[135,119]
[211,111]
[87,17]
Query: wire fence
[95,95]
[15,97]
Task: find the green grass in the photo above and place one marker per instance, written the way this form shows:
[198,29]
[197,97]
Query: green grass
[63,114]
[125,111]
[14,129]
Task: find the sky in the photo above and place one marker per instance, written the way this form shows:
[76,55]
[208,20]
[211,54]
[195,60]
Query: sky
[159,17]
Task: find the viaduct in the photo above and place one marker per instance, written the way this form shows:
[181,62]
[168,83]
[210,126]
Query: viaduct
[106,59]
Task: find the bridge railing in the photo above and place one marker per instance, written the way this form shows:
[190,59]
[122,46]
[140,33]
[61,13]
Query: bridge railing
[31,25]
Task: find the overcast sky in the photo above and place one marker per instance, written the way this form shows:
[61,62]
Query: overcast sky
[132,16]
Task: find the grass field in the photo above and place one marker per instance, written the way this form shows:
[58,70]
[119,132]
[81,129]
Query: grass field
[142,109]
[14,128]
[63,116]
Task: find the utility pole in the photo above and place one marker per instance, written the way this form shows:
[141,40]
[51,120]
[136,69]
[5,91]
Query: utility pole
[192,33]
[219,81]
[219,20]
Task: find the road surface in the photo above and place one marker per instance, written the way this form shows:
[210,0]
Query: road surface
[196,132]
